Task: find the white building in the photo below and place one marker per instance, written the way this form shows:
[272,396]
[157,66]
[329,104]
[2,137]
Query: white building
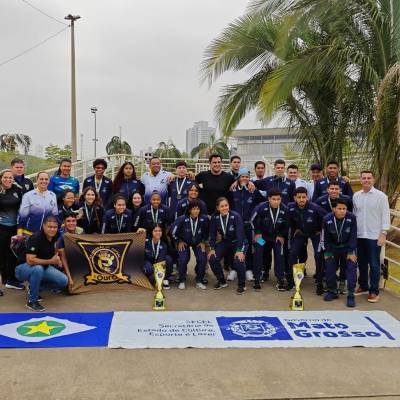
[199,133]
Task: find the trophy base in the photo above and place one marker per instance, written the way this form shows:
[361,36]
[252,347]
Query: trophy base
[159,305]
[296,304]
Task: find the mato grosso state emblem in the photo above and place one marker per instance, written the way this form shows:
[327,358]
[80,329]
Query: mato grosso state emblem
[105,261]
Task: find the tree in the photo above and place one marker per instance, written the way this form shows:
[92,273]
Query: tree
[11,141]
[56,153]
[320,63]
[115,146]
[213,146]
[167,150]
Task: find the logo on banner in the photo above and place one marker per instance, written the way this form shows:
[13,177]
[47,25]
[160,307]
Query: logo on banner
[252,328]
[40,329]
[105,261]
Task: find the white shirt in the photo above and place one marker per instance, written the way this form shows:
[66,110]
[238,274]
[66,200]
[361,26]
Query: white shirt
[310,186]
[372,212]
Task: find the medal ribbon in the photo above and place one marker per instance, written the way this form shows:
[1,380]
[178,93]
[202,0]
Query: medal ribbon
[120,222]
[88,216]
[338,232]
[154,216]
[97,187]
[156,250]
[193,226]
[224,226]
[276,216]
[179,188]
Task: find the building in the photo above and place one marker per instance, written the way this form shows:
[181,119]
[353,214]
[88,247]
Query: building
[199,133]
[253,144]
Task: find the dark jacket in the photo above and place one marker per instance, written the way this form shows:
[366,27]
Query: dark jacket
[263,223]
[284,185]
[113,223]
[182,230]
[341,236]
[321,187]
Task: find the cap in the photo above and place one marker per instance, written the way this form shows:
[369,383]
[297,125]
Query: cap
[243,171]
[316,166]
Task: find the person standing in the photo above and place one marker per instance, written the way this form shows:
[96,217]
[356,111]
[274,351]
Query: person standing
[214,183]
[193,194]
[63,180]
[333,193]
[259,170]
[315,175]
[371,208]
[10,200]
[235,162]
[156,180]
[118,219]
[98,181]
[294,175]
[18,170]
[36,206]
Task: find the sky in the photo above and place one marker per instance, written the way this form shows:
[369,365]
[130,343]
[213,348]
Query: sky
[138,62]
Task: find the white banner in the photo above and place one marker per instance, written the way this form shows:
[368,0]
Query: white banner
[219,329]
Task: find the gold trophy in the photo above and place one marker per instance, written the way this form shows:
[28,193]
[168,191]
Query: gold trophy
[296,301]
[159,275]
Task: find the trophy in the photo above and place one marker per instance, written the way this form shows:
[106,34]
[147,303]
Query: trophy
[159,275]
[296,301]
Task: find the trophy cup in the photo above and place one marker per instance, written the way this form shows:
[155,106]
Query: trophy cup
[159,298]
[296,301]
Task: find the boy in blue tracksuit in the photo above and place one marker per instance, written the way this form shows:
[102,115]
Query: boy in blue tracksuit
[305,222]
[333,193]
[244,202]
[270,221]
[153,214]
[340,244]
[332,174]
[155,250]
[191,231]
[279,181]
[228,225]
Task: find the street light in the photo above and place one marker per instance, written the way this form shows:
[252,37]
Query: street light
[95,140]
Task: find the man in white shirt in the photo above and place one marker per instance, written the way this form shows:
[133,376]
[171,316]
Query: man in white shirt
[294,175]
[371,208]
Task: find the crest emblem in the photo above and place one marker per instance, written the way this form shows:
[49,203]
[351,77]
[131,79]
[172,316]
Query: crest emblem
[251,328]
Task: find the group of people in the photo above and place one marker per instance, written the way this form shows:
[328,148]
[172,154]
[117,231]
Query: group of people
[237,224]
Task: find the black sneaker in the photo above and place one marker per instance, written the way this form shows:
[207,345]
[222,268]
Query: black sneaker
[220,285]
[35,306]
[241,290]
[280,286]
[257,286]
[289,285]
[320,289]
[38,299]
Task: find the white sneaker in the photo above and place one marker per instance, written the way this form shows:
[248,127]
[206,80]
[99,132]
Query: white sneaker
[200,285]
[182,285]
[166,284]
[232,275]
[249,276]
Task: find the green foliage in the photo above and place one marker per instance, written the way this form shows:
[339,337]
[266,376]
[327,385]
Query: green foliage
[167,150]
[56,153]
[214,145]
[115,146]
[32,164]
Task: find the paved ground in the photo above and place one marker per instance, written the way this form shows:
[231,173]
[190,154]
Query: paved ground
[91,373]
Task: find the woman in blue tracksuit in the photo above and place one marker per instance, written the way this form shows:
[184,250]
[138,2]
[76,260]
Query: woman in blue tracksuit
[193,193]
[118,219]
[244,202]
[229,225]
[63,180]
[155,251]
[126,183]
[152,214]
[191,231]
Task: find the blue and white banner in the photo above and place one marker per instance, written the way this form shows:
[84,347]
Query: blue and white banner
[219,329]
[55,329]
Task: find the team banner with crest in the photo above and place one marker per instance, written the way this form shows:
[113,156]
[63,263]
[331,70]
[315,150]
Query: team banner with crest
[106,262]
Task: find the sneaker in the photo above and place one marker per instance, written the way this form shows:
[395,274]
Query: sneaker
[35,306]
[373,298]
[320,289]
[351,301]
[56,291]
[249,275]
[264,277]
[359,291]
[204,281]
[14,285]
[165,284]
[257,286]
[240,290]
[200,285]
[182,285]
[329,296]
[220,285]
[342,287]
[280,286]
[38,299]
[232,275]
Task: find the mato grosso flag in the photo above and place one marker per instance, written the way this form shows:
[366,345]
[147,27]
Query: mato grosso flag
[106,262]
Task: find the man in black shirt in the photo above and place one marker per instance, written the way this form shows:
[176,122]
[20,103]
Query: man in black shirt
[40,267]
[214,183]
[18,169]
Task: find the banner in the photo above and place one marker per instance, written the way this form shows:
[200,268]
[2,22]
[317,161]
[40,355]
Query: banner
[55,329]
[106,262]
[219,329]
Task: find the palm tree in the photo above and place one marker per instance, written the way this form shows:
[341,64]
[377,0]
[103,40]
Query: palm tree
[115,146]
[213,146]
[320,63]
[167,150]
[10,142]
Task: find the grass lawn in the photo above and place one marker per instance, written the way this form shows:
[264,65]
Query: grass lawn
[32,163]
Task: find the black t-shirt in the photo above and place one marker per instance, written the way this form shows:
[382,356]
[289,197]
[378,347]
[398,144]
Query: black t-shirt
[40,246]
[214,186]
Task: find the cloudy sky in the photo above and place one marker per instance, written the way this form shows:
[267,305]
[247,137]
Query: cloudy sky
[137,61]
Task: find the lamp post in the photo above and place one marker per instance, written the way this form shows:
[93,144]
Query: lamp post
[74,145]
[95,140]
